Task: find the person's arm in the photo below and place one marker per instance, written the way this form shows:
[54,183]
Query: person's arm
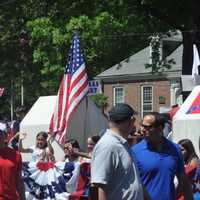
[102,170]
[19,181]
[98,192]
[185,186]
[13,142]
[82,154]
[20,187]
[16,136]
[49,141]
[146,194]
[21,148]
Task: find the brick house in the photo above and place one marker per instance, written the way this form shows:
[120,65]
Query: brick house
[131,82]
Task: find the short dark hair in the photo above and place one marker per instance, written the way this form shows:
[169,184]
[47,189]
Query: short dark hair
[73,142]
[159,119]
[121,112]
[95,138]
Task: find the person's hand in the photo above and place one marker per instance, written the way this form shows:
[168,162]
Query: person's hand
[22,136]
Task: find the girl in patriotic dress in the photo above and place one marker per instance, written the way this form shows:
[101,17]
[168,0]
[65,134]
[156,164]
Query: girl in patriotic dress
[47,179]
[40,151]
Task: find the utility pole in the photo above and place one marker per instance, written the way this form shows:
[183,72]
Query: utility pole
[11,101]
[24,45]
[22,88]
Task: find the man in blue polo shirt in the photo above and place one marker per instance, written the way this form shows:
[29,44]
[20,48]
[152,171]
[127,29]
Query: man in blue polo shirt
[113,173]
[159,161]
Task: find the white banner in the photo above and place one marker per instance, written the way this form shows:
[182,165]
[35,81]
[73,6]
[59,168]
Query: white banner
[94,87]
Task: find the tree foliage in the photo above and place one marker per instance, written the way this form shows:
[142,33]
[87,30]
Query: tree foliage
[182,15]
[35,37]
[159,63]
[100,100]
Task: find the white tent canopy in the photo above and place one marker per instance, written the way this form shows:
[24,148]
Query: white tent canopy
[87,120]
[186,122]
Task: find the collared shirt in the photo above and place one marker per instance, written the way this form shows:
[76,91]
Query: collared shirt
[158,169]
[112,166]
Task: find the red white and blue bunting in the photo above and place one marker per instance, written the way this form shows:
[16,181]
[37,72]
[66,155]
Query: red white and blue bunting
[55,181]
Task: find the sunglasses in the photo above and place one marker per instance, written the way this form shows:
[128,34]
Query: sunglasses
[147,127]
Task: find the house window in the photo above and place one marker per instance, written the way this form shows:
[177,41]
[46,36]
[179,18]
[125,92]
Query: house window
[118,95]
[147,99]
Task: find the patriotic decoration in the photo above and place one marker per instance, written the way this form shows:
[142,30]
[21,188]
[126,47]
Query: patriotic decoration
[196,184]
[94,87]
[83,183]
[1,91]
[56,181]
[195,107]
[73,88]
[196,62]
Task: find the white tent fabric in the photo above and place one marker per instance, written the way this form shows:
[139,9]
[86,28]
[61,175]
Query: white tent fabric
[186,122]
[87,120]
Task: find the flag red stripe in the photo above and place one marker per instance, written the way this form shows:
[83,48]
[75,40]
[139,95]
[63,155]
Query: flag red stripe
[69,115]
[63,114]
[67,109]
[51,124]
[79,77]
[60,101]
[66,104]
[78,92]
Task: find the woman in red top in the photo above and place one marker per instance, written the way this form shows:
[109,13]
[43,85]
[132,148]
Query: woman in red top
[191,165]
[11,183]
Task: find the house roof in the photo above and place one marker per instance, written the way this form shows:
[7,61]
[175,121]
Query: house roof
[133,68]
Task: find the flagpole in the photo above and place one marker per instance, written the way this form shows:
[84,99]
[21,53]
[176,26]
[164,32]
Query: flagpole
[86,121]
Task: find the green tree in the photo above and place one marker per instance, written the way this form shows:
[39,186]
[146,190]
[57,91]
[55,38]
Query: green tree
[182,15]
[100,100]
[107,36]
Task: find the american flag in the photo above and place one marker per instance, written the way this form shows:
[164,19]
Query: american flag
[1,91]
[73,88]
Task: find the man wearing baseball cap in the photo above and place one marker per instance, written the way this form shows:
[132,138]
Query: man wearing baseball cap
[11,183]
[113,172]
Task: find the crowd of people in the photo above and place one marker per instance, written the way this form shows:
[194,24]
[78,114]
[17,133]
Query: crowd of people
[147,165]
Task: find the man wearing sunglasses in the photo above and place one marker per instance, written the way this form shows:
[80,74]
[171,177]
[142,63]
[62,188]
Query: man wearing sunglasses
[113,173]
[159,160]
